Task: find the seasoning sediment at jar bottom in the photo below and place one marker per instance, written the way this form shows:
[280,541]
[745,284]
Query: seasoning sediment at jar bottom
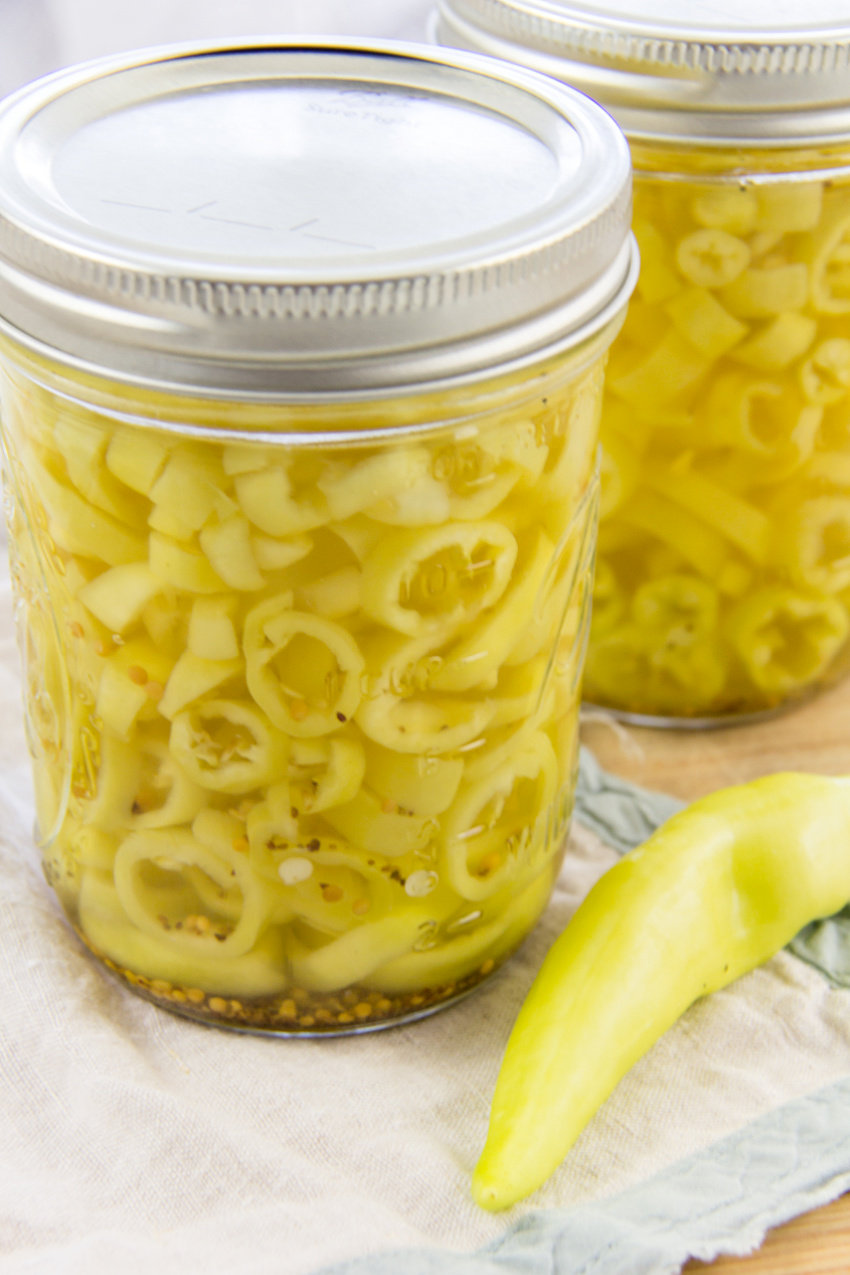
[723,579]
[303,719]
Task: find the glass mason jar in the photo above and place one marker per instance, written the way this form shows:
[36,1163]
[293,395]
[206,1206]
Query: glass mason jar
[300,396]
[723,574]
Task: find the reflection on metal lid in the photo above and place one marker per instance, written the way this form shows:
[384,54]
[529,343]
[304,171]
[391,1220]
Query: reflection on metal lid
[294,218]
[754,70]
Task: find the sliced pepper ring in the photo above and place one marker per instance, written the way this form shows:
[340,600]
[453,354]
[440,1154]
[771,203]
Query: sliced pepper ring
[786,639]
[140,785]
[677,601]
[333,779]
[366,821]
[829,252]
[155,877]
[402,713]
[357,953]
[303,670]
[646,670]
[817,544]
[260,972]
[227,745]
[436,579]
[461,954]
[493,830]
[479,655]
[480,472]
[345,888]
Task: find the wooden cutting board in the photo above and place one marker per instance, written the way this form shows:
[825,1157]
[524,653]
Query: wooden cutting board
[817,1243]
[813,736]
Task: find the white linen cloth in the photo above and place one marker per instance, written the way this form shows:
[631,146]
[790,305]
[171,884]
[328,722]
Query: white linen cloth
[135,1140]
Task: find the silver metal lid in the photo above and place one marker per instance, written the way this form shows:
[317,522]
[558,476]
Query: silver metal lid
[308,218]
[758,71]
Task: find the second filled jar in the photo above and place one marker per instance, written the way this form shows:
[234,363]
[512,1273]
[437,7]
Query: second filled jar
[723,573]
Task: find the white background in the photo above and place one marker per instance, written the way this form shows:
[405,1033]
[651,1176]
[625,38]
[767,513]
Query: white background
[37,36]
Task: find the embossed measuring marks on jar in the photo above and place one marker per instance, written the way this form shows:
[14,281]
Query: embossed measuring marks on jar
[45,683]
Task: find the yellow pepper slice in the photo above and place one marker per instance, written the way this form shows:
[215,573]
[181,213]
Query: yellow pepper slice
[435,580]
[785,638]
[227,745]
[204,901]
[829,253]
[353,956]
[330,776]
[726,207]
[711,258]
[677,601]
[399,710]
[825,377]
[140,786]
[493,832]
[650,670]
[732,516]
[260,972]
[446,958]
[302,669]
[816,544]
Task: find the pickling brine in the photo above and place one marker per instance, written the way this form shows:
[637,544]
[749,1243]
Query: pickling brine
[723,577]
[303,717]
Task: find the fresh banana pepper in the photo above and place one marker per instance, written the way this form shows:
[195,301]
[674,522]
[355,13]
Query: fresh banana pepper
[716,891]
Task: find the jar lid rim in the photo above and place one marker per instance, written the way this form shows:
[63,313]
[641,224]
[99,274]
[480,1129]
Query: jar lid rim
[298,211]
[766,68]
